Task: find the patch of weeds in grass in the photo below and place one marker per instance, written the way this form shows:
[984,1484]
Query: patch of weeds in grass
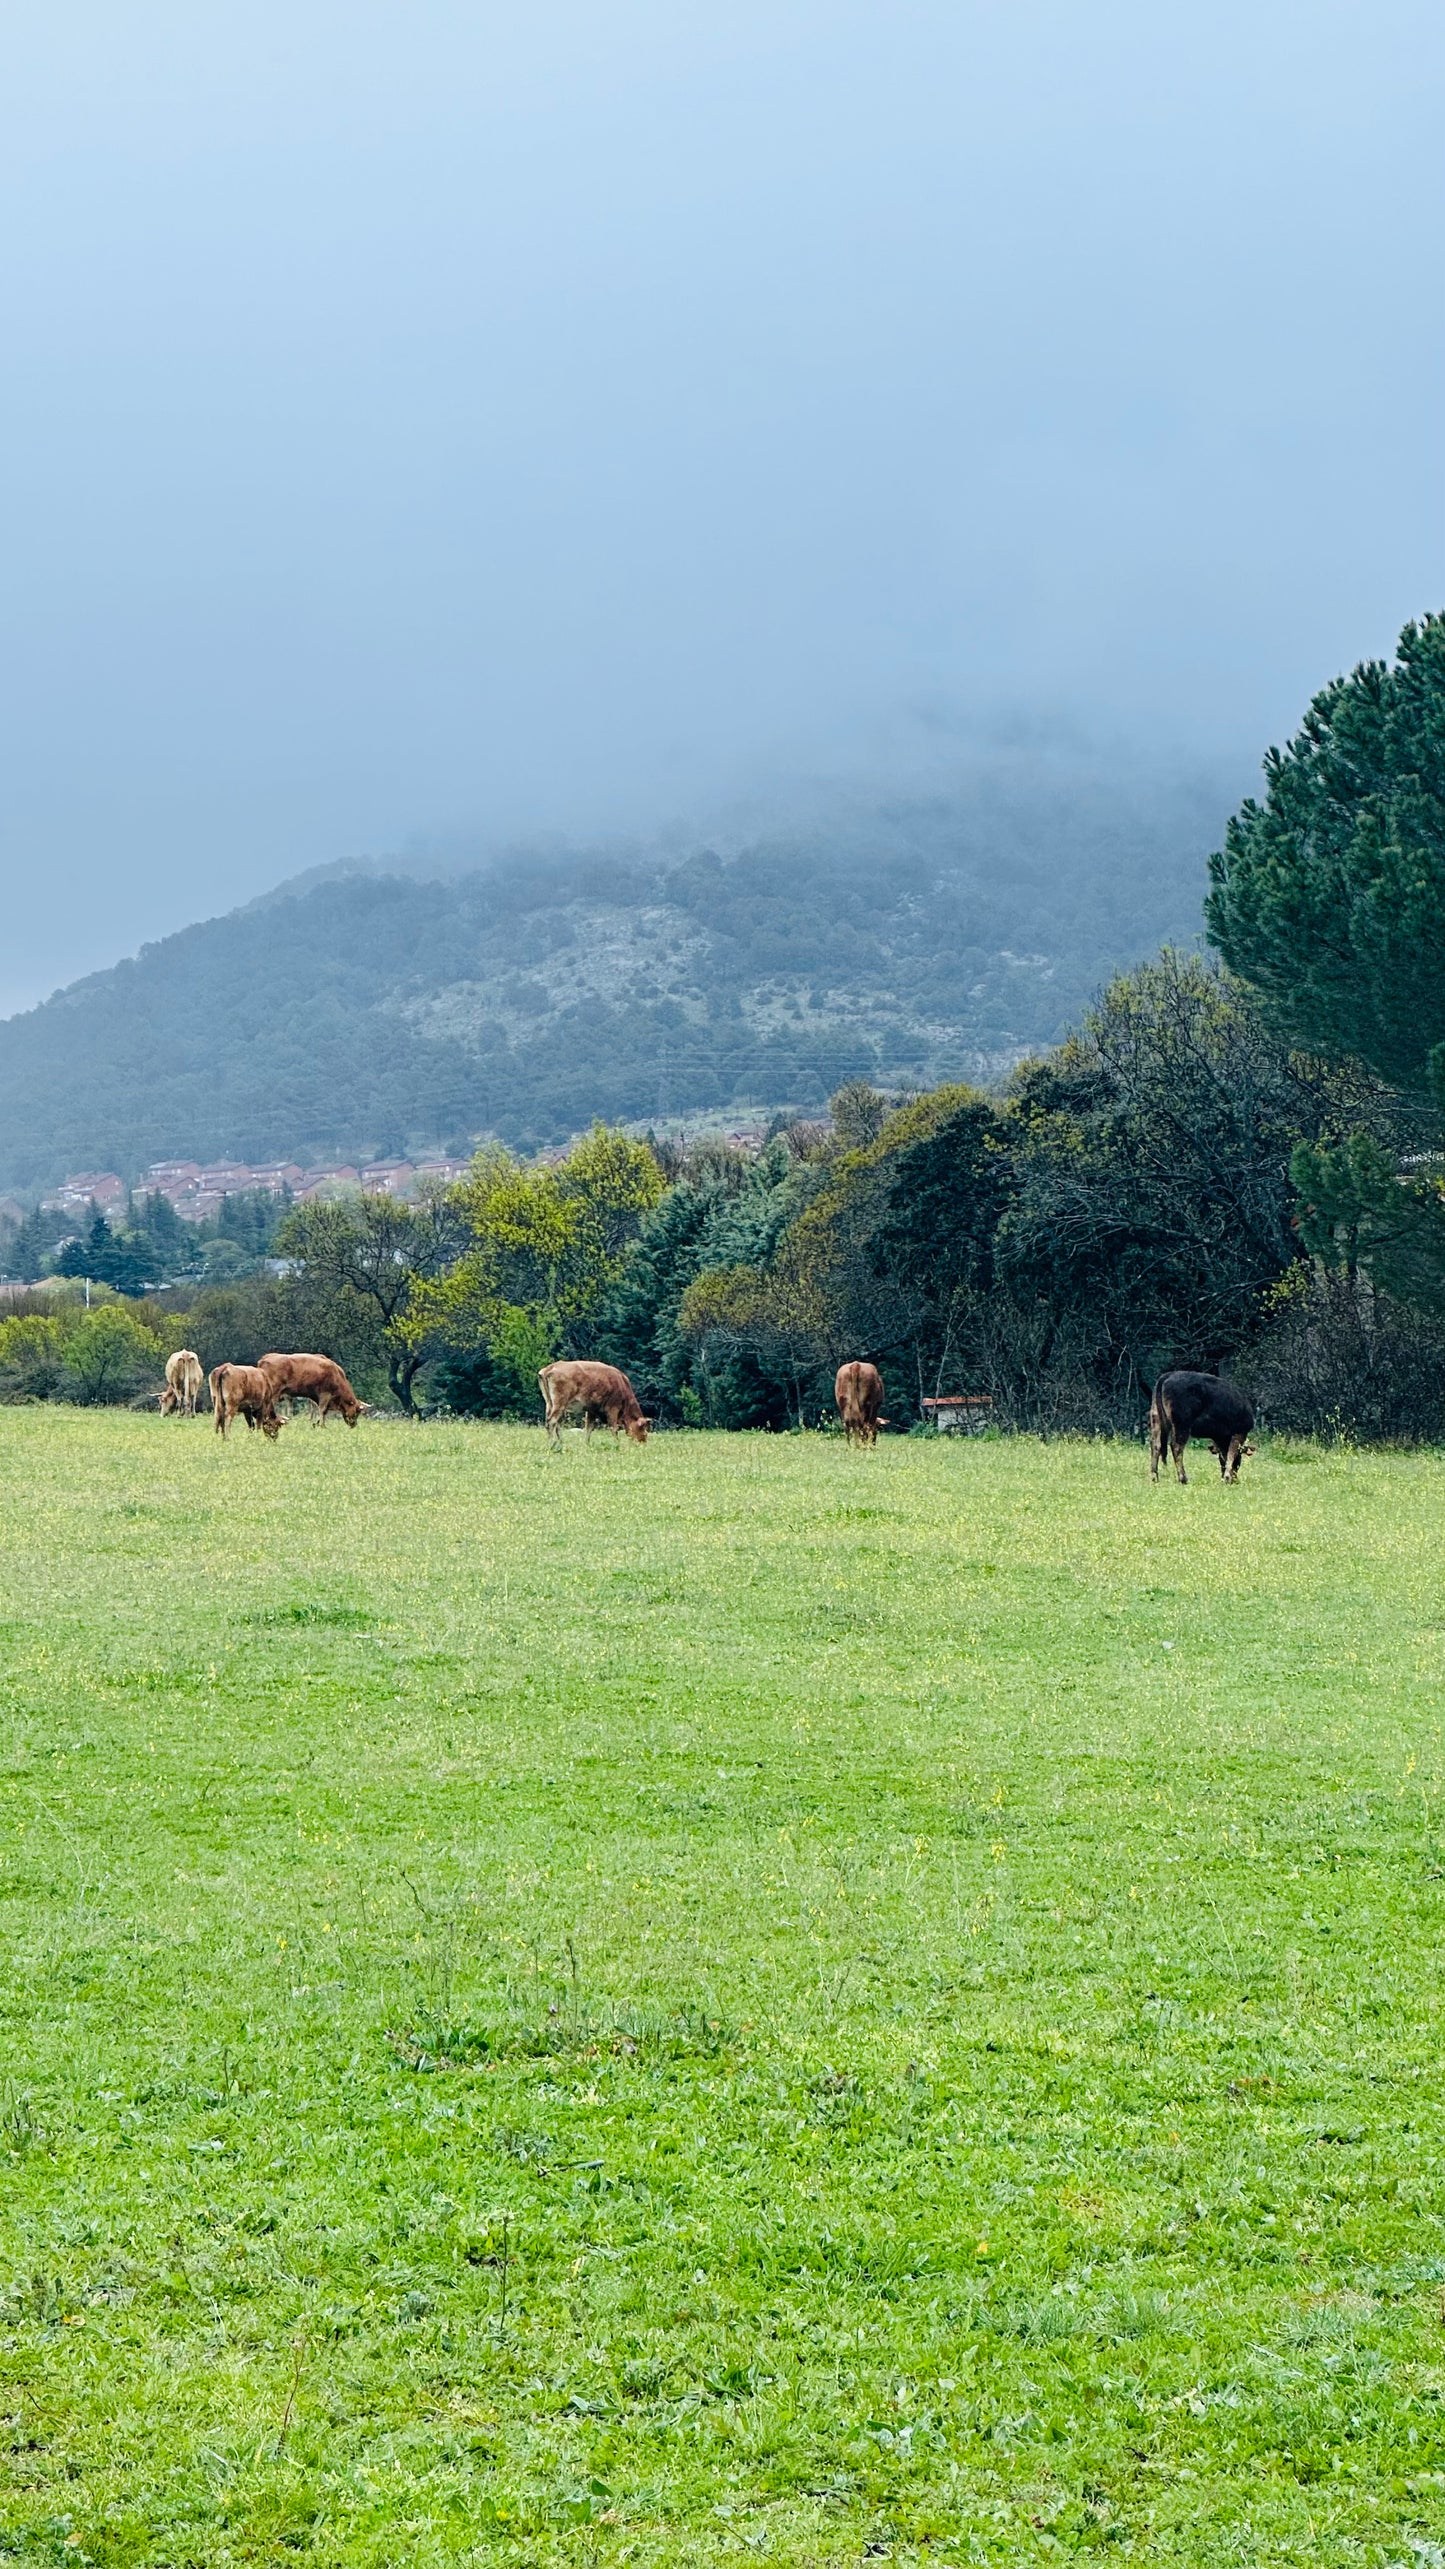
[308,1611]
[19,2131]
[589,2030]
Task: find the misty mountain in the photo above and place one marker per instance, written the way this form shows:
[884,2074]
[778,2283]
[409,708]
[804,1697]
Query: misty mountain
[382,1009]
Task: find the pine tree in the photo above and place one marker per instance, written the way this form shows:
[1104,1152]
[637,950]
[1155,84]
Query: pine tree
[1329,896]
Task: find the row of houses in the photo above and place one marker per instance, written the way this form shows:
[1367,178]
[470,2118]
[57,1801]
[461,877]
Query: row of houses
[197,1191]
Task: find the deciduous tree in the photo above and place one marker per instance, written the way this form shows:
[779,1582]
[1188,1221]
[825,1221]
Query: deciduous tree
[543,1246]
[372,1256]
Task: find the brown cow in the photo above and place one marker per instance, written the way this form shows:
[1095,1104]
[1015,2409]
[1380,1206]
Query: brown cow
[183,1383]
[858,1392]
[604,1395]
[314,1378]
[243,1391]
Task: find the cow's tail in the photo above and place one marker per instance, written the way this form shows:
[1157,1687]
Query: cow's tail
[552,1425]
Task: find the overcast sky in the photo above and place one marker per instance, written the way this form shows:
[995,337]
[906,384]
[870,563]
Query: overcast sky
[571,417]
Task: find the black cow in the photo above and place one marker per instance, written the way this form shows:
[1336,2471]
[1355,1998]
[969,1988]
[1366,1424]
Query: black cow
[1186,1405]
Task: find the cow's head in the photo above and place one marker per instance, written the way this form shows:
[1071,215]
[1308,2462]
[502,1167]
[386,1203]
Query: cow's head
[637,1429]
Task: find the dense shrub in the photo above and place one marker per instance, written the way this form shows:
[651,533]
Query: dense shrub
[1339,1358]
[32,1364]
[106,1354]
[470,1384]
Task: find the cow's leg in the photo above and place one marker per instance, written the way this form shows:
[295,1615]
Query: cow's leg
[1229,1465]
[1156,1440]
[1177,1444]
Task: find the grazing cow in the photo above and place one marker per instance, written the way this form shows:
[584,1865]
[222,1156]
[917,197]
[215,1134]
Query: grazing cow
[1186,1405]
[243,1391]
[314,1378]
[605,1397]
[859,1395]
[183,1383]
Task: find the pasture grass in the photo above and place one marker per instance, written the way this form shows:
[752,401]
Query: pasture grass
[742,2001]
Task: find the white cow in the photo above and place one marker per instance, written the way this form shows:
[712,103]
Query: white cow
[183,1383]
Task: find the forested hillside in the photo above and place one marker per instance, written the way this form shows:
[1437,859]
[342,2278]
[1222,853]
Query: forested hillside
[381,1011]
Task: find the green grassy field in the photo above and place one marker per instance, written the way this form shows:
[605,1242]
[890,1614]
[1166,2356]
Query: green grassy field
[736,2001]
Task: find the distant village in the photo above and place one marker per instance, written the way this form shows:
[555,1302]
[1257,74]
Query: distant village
[197,1193]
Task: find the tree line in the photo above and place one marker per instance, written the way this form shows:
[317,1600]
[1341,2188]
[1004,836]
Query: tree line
[1232,1162]
[151,1246]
